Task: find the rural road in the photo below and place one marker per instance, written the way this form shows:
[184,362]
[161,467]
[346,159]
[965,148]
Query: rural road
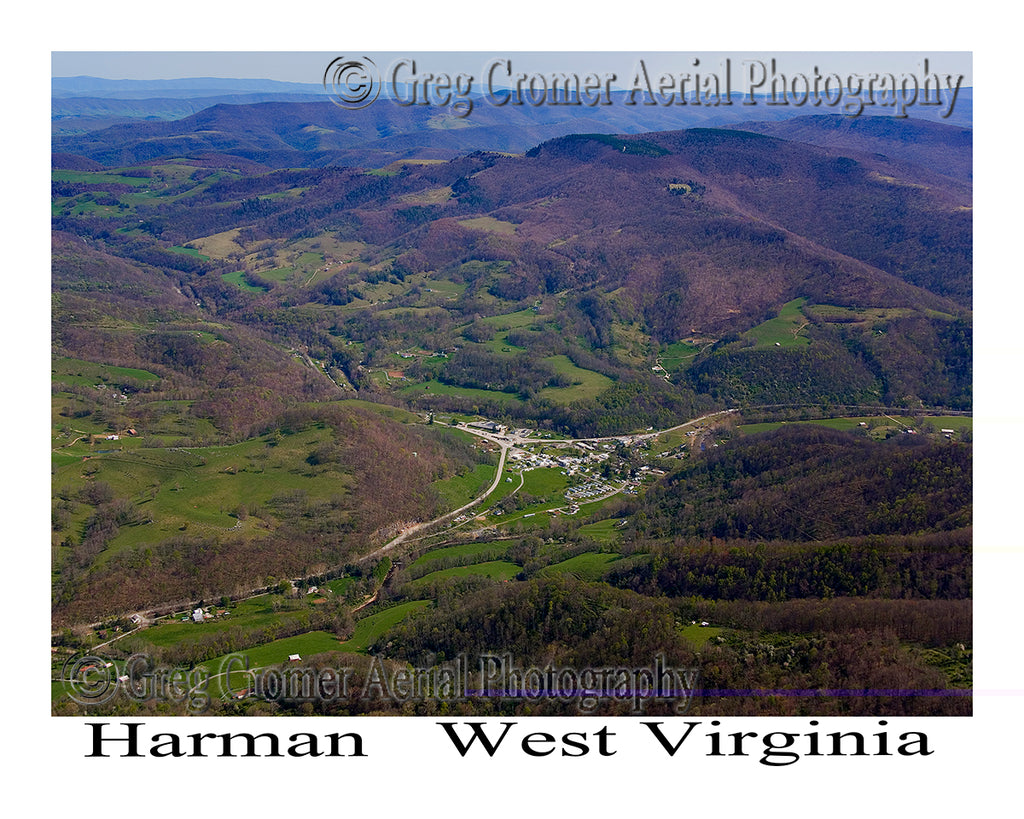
[506,442]
[405,533]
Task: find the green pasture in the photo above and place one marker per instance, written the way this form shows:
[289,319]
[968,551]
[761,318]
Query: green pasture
[441,287]
[587,384]
[99,178]
[961,423]
[339,586]
[432,387]
[670,440]
[510,321]
[237,278]
[678,356]
[785,330]
[484,551]
[276,275]
[502,490]
[367,631]
[833,313]
[189,251]
[370,628]
[489,224]
[589,566]
[526,519]
[603,531]
[273,653]
[89,373]
[255,612]
[495,569]
[199,491]
[461,489]
[845,424]
[547,481]
[499,345]
[698,635]
[874,423]
[219,245]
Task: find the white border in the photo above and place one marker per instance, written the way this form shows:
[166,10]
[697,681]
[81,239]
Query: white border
[413,770]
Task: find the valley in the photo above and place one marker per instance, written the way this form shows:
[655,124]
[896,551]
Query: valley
[703,394]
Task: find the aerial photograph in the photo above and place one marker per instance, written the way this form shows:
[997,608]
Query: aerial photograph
[508,385]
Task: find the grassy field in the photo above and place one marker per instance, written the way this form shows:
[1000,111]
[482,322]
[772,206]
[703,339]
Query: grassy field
[504,488]
[89,373]
[439,388]
[589,566]
[370,628]
[367,631]
[489,224]
[499,345]
[699,635]
[165,183]
[509,321]
[485,551]
[462,489]
[98,177]
[859,315]
[958,422]
[678,357]
[219,245]
[494,569]
[604,531]
[846,424]
[432,196]
[526,519]
[339,586]
[237,278]
[670,440]
[312,642]
[785,330]
[252,613]
[190,251]
[586,383]
[439,287]
[200,490]
[546,482]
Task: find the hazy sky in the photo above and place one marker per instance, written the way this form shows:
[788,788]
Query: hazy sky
[309,66]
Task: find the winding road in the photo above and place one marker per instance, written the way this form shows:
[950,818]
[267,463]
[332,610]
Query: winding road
[507,442]
[405,533]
